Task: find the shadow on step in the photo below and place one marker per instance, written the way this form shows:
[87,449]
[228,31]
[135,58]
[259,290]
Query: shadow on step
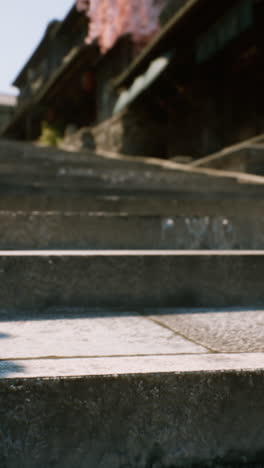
[7,368]
[72,313]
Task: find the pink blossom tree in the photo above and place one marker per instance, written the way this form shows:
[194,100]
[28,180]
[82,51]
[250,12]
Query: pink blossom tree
[111,19]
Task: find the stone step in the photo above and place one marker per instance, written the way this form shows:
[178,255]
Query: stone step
[17,174]
[70,192]
[28,165]
[102,230]
[137,186]
[23,153]
[73,163]
[150,205]
[34,279]
[141,412]
[107,388]
[249,159]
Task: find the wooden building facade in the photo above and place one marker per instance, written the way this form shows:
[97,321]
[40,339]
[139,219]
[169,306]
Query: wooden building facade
[195,88]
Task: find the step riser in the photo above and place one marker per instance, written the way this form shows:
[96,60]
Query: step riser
[133,206]
[174,182]
[194,280]
[88,231]
[183,191]
[66,190]
[164,420]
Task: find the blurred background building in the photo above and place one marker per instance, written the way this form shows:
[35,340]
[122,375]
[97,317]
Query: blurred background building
[155,77]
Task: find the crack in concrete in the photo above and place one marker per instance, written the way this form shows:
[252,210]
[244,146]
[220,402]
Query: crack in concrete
[55,357]
[182,335]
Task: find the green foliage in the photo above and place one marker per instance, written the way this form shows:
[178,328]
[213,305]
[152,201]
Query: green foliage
[50,134]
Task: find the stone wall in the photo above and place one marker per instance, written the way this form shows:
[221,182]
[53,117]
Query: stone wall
[131,132]
[6,113]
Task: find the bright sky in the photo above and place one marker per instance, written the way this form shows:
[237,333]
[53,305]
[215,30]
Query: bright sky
[22,24]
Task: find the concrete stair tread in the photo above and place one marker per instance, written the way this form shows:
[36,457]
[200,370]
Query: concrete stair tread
[130,253]
[110,168]
[118,178]
[79,341]
[118,366]
[106,360]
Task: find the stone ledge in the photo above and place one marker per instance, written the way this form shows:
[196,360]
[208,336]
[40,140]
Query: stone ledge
[135,365]
[161,419]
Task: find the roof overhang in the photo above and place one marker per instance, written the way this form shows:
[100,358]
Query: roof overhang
[191,20]
[87,53]
[58,27]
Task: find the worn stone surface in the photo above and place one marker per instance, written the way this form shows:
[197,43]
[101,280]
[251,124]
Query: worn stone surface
[148,206]
[124,387]
[93,333]
[133,131]
[137,421]
[151,397]
[37,279]
[124,365]
[248,158]
[78,341]
[102,230]
[52,171]
[225,331]
[85,179]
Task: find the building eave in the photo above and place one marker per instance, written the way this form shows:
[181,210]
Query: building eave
[53,81]
[41,45]
[58,29]
[152,49]
[194,16]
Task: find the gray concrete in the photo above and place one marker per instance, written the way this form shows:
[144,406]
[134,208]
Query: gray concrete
[179,339]
[59,334]
[196,206]
[160,419]
[244,158]
[48,368]
[131,278]
[162,181]
[131,385]
[25,168]
[221,330]
[102,230]
[105,389]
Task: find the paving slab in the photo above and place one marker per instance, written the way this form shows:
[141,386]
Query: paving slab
[87,334]
[84,341]
[108,388]
[221,330]
[126,365]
